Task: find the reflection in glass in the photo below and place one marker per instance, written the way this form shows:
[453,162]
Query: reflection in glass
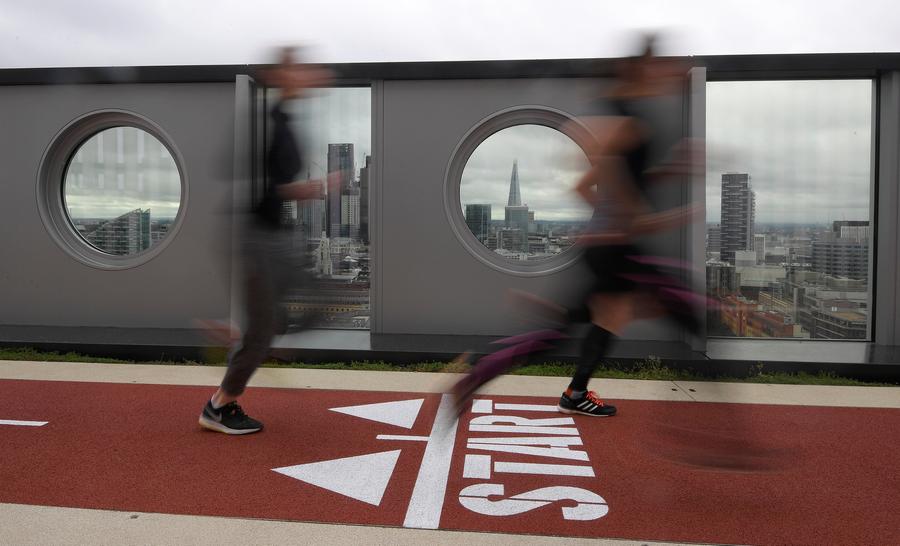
[121,199]
[787,193]
[517,192]
[334,127]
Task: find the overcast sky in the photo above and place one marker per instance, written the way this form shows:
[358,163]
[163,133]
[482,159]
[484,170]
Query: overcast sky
[41,33]
[805,144]
[333,116]
[119,170]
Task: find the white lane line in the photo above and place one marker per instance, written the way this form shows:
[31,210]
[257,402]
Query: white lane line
[23,423]
[525,407]
[400,437]
[427,499]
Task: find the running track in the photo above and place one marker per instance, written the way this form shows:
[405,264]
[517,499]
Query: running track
[672,471]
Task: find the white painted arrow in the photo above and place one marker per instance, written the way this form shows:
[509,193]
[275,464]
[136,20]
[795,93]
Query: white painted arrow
[23,423]
[363,477]
[402,413]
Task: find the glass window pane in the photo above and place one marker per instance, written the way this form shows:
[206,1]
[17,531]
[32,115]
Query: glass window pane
[787,193]
[334,128]
[517,192]
[119,201]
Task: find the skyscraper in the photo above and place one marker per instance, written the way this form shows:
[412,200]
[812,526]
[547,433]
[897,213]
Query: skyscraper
[517,214]
[364,201]
[759,246]
[738,214]
[288,213]
[714,240]
[127,234]
[843,252]
[478,218]
[312,217]
[324,265]
[340,159]
[851,229]
[350,213]
[515,194]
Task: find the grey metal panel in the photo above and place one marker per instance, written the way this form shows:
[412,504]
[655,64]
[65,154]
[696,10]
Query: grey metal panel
[887,304]
[375,208]
[429,283]
[696,243]
[41,284]
[244,129]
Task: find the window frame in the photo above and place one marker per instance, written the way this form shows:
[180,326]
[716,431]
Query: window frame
[51,181]
[552,118]
[872,76]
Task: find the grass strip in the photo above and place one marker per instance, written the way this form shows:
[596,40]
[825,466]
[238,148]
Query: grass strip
[649,369]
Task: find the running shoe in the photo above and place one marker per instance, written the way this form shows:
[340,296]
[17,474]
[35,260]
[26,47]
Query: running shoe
[229,419]
[588,404]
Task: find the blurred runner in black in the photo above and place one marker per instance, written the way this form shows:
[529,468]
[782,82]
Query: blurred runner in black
[270,261]
[628,284]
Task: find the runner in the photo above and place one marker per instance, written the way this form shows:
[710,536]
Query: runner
[269,259]
[628,284]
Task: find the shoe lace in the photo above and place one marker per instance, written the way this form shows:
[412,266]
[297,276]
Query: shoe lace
[592,396]
[235,409]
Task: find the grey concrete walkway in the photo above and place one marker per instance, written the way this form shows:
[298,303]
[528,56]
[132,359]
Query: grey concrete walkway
[40,525]
[622,389]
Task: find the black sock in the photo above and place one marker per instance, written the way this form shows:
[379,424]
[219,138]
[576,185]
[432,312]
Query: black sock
[593,348]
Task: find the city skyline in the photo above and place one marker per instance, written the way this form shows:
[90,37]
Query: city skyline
[549,165]
[329,116]
[806,282]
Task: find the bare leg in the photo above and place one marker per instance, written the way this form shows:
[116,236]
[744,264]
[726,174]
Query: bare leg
[612,312]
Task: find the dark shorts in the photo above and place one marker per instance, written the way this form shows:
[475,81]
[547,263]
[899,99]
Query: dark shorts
[624,269]
[612,268]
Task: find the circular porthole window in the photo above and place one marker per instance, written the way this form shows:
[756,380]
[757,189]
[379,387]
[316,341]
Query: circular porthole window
[511,190]
[112,189]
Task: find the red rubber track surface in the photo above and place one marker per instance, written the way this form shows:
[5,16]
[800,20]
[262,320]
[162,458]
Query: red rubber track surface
[673,471]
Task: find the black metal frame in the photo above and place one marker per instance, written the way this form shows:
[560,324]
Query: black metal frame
[719,67]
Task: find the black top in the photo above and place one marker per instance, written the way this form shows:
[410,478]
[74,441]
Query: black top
[283,163]
[638,157]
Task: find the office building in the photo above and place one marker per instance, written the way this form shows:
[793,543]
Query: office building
[738,214]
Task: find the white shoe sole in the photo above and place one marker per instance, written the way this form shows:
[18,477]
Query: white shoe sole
[576,412]
[209,424]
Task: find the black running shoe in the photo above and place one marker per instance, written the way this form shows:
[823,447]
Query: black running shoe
[229,419]
[587,404]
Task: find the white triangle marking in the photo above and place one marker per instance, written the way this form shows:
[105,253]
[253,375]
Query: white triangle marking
[402,413]
[363,477]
